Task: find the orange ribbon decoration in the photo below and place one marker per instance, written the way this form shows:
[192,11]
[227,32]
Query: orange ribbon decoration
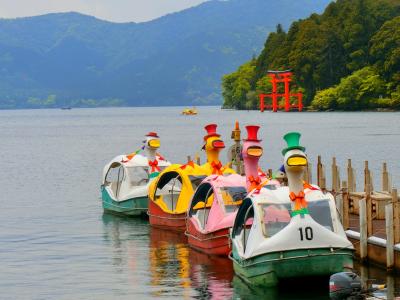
[129,157]
[255,183]
[299,200]
[190,163]
[154,166]
[306,185]
[217,168]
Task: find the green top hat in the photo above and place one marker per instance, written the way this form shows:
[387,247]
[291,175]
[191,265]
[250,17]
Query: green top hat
[293,141]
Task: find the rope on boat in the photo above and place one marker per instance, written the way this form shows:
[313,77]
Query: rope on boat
[168,218]
[207,239]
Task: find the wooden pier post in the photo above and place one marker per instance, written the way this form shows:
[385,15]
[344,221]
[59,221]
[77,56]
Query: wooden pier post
[309,172]
[319,171]
[364,274]
[334,179]
[368,201]
[335,176]
[396,217]
[390,284]
[389,236]
[345,206]
[385,178]
[366,175]
[269,173]
[321,179]
[351,183]
[363,230]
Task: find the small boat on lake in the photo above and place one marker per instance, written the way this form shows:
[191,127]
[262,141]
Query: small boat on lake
[126,179]
[189,111]
[289,231]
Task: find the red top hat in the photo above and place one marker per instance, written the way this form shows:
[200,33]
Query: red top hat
[152,134]
[252,133]
[211,131]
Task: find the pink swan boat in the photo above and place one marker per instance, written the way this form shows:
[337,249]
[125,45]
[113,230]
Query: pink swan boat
[214,205]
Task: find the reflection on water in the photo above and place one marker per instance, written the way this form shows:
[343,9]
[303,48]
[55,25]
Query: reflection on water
[371,275]
[173,269]
[211,275]
[169,263]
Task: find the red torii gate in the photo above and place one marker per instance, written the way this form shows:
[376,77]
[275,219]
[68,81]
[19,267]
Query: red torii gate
[286,78]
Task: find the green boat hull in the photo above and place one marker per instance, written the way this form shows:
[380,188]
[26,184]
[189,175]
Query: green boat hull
[130,207]
[268,269]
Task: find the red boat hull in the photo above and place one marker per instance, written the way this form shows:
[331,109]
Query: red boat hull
[159,218]
[216,243]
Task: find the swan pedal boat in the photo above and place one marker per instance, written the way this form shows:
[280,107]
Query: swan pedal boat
[212,212]
[170,193]
[125,185]
[270,242]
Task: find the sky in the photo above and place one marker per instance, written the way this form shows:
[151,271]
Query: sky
[111,10]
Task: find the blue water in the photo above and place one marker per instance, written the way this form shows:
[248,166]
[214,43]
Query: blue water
[55,242]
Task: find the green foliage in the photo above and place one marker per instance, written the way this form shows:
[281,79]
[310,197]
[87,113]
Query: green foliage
[331,55]
[385,49]
[361,90]
[325,99]
[236,86]
[50,101]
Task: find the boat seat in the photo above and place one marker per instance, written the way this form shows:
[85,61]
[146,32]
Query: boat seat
[140,182]
[202,216]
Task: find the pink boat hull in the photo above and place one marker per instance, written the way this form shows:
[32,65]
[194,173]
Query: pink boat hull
[215,243]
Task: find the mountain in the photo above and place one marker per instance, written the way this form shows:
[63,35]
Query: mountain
[347,58]
[72,59]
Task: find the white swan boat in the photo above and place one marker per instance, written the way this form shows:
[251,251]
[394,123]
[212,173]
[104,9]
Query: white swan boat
[126,179]
[289,231]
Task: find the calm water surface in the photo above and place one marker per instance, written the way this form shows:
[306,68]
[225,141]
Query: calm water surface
[55,242]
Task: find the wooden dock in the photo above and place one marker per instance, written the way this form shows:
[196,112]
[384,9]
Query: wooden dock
[371,218]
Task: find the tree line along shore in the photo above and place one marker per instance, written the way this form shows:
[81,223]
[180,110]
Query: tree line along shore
[347,58]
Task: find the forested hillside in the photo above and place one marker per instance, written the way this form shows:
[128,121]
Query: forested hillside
[347,58]
[75,60]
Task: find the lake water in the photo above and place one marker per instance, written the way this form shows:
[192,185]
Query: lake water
[55,242]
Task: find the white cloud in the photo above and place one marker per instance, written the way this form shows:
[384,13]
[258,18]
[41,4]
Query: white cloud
[113,10]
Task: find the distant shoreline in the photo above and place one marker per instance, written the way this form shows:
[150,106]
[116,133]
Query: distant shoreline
[328,110]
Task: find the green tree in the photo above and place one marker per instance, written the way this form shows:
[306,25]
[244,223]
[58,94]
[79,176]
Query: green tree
[235,86]
[361,90]
[385,49]
[325,99]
